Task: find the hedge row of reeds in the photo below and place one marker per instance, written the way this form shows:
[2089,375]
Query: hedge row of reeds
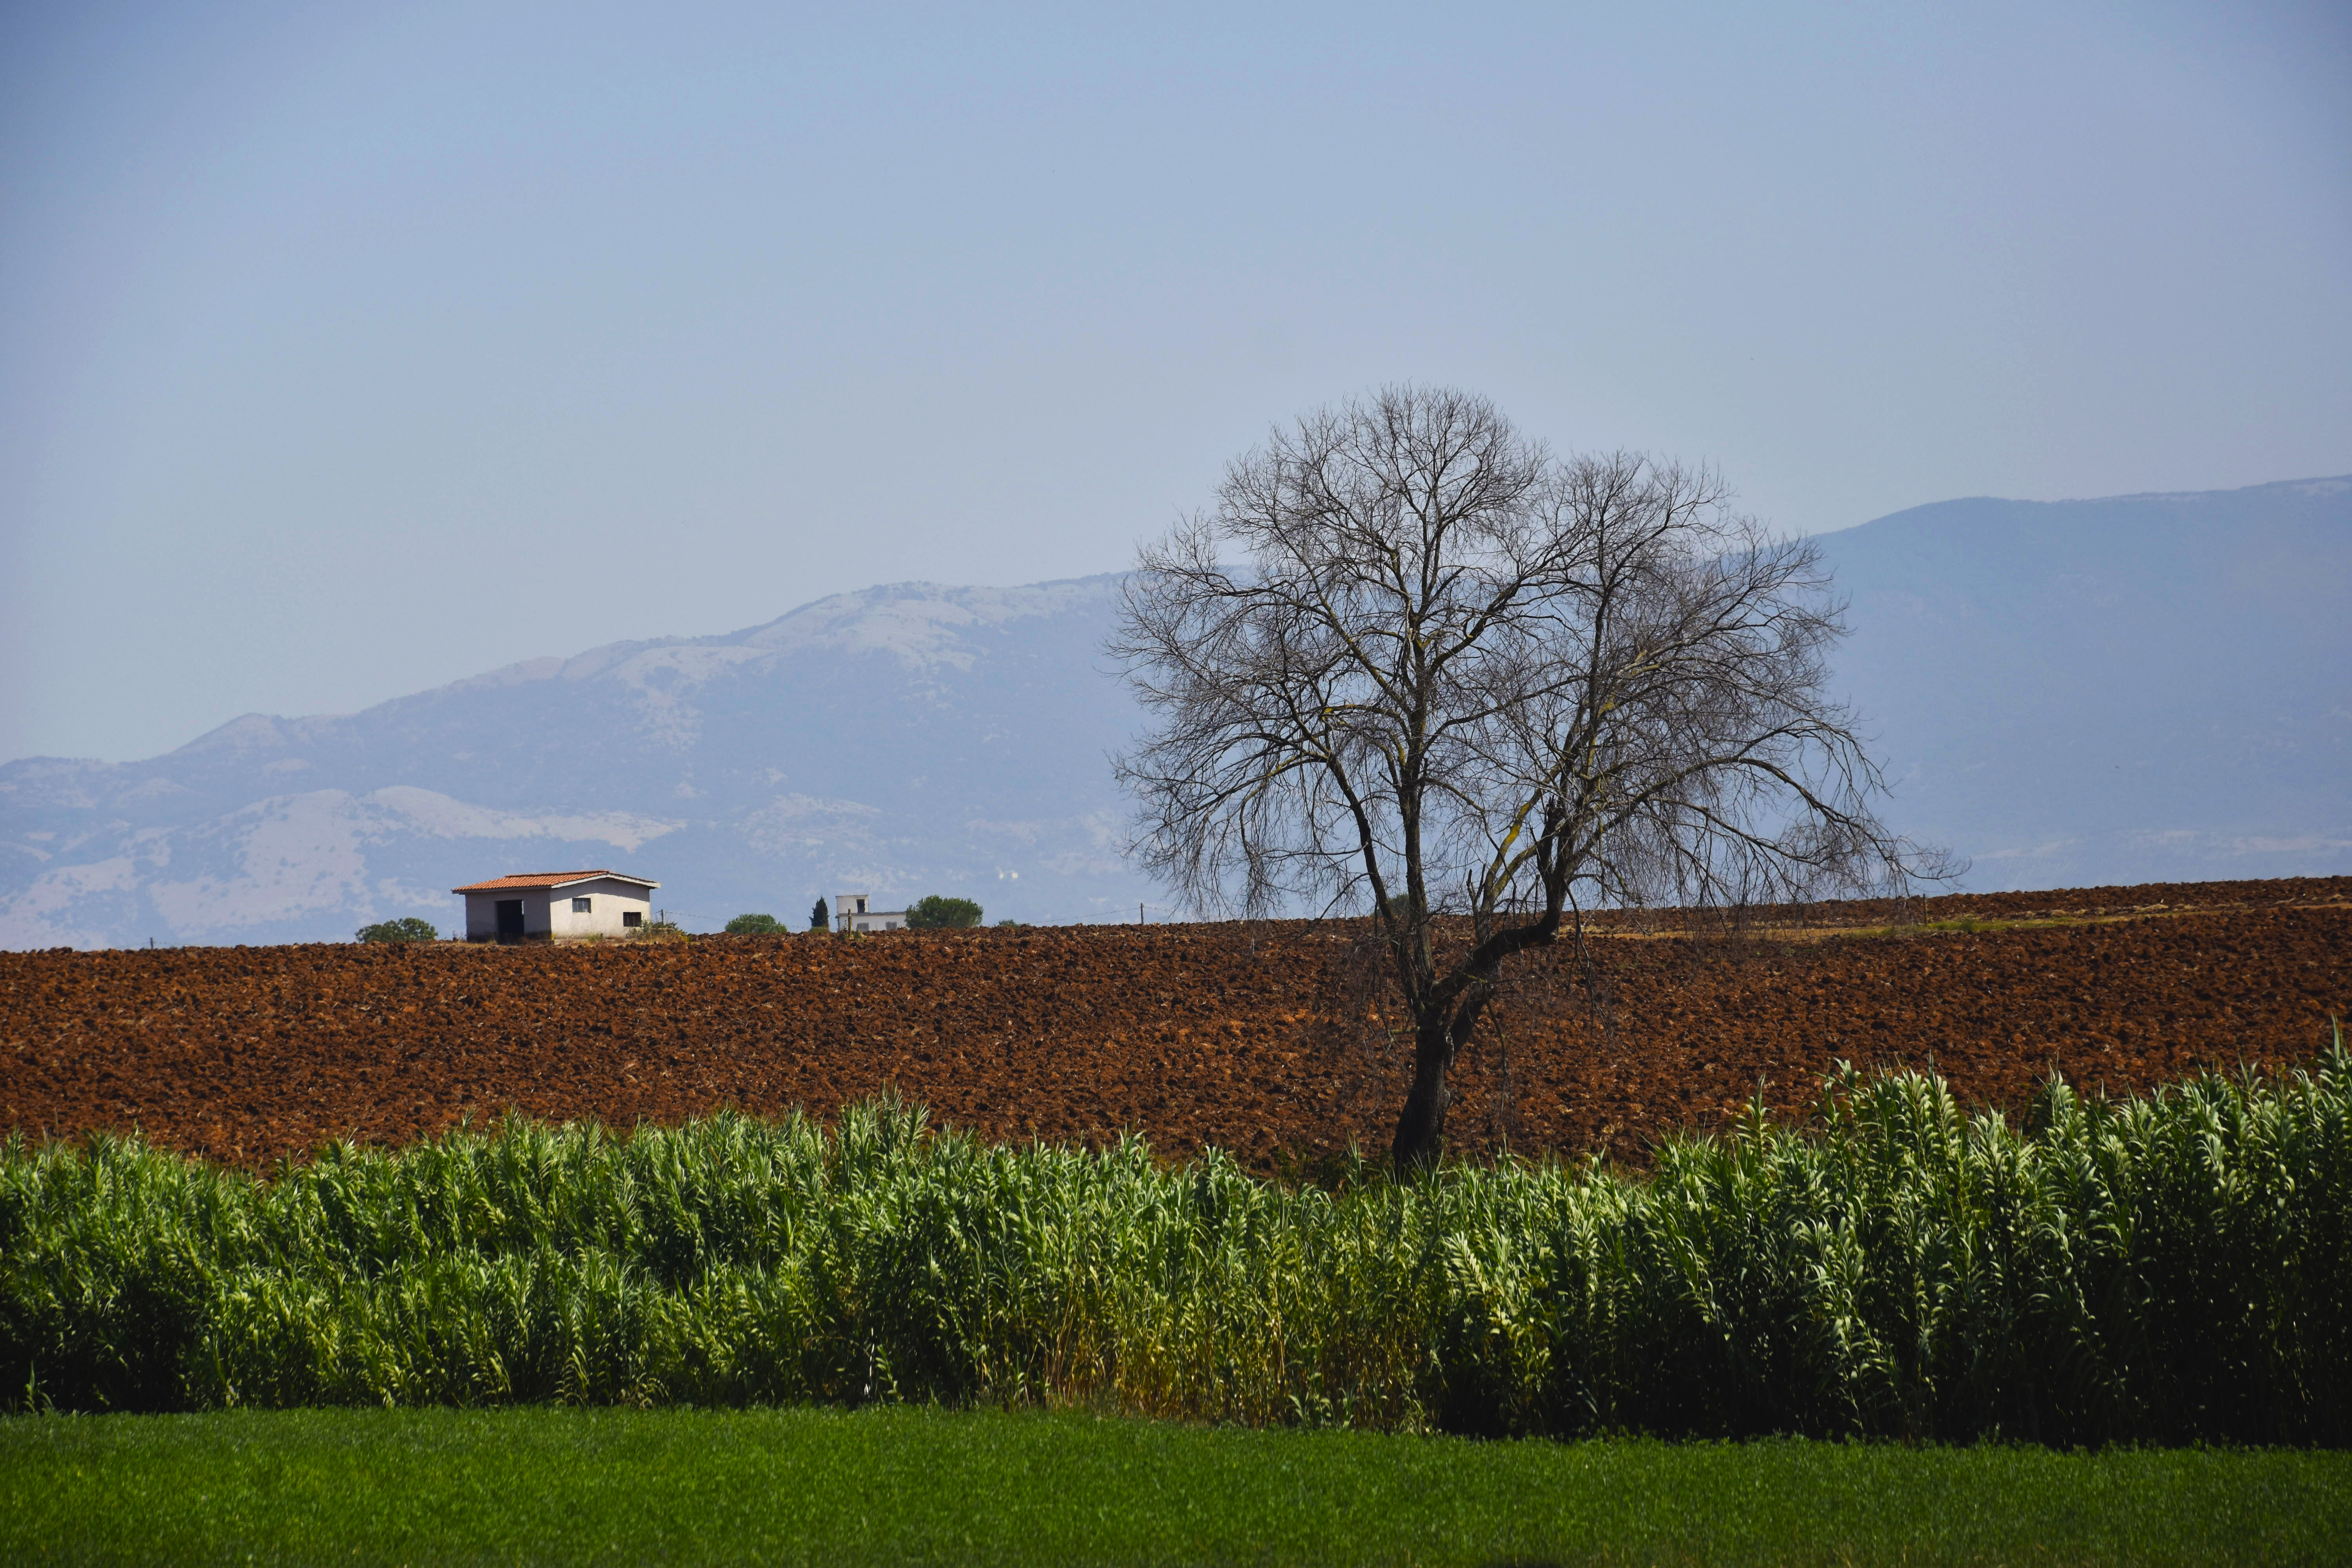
[2171,1268]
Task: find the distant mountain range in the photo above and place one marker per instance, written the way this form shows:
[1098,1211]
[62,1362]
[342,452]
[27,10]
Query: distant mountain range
[2152,688]
[2146,688]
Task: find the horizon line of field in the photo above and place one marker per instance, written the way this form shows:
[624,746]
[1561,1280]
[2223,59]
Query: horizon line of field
[1973,926]
[1795,920]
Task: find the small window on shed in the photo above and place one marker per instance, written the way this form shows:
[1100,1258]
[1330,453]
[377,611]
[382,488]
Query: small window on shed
[580,906]
[632,918]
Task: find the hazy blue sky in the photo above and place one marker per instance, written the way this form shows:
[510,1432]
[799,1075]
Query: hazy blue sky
[346,350]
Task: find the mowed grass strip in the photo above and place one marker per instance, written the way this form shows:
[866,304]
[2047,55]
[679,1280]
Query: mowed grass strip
[922,1485]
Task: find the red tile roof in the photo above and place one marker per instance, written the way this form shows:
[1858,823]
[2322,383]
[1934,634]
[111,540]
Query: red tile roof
[547,879]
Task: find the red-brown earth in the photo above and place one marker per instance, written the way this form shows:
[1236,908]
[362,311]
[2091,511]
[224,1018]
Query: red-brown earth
[1276,1040]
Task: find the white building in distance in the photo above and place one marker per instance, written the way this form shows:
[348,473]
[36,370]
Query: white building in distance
[551,906]
[850,913]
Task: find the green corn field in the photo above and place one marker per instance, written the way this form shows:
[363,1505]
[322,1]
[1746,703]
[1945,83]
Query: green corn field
[2171,1268]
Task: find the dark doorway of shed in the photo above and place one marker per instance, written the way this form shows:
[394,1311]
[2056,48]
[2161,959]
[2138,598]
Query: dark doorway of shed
[509,919]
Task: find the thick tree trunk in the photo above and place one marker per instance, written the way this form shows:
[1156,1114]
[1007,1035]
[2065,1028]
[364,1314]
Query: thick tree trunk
[1421,1126]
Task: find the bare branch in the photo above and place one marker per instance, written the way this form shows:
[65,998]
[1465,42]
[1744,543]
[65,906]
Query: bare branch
[1413,657]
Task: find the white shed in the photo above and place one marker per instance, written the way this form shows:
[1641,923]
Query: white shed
[851,912]
[550,906]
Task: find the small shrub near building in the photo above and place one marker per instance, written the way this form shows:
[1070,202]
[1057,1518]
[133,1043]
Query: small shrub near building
[936,913]
[756,925]
[408,928]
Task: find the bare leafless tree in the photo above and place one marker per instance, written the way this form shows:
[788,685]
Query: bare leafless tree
[1414,661]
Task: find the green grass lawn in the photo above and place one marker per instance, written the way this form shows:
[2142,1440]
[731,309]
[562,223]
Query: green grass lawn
[917,1485]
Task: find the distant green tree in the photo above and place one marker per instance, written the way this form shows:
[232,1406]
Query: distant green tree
[936,913]
[757,925]
[820,917]
[408,928]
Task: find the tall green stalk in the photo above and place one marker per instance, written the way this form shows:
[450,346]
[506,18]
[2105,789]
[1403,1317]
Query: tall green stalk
[2171,1268]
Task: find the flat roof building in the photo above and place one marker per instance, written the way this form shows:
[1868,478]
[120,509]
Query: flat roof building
[851,912]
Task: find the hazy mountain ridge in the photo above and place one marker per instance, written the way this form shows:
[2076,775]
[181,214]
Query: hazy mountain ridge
[2139,688]
[906,739]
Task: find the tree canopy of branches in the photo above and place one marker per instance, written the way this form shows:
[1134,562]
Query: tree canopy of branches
[1414,662]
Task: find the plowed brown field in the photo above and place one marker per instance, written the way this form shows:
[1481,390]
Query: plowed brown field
[1274,1041]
